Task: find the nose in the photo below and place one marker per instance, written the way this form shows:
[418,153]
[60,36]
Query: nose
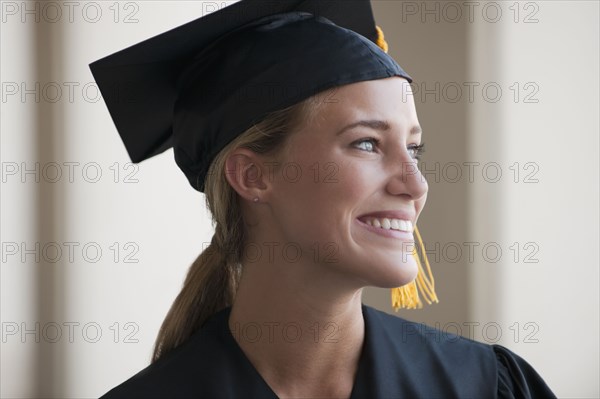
[406,178]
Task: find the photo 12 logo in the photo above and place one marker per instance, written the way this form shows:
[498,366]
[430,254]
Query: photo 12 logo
[69,331]
[470,11]
[68,252]
[68,172]
[490,332]
[70,11]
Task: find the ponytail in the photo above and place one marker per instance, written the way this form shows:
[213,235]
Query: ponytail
[209,286]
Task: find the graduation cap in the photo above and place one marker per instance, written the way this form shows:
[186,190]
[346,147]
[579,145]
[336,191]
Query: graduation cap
[198,86]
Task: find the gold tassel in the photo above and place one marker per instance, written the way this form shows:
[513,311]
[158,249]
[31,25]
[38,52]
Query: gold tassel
[380,39]
[407,296]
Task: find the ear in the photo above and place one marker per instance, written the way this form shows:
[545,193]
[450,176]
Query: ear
[246,173]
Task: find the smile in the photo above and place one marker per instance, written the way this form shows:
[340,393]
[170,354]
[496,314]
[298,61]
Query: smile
[390,224]
[396,228]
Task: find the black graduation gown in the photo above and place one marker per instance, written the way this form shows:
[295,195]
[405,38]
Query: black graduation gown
[399,359]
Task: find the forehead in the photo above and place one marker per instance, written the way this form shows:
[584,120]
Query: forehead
[387,99]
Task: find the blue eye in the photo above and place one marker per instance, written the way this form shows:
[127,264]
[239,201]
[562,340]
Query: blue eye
[370,140]
[417,151]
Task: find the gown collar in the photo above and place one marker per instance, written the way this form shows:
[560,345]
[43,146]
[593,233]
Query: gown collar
[373,366]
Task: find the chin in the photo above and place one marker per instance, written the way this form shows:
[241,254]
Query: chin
[392,275]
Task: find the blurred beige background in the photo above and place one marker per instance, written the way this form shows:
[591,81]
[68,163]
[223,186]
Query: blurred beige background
[94,249]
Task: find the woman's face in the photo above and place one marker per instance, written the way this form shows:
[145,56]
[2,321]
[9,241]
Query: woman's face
[354,163]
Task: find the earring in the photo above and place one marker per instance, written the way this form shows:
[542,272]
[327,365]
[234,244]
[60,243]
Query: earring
[255,199]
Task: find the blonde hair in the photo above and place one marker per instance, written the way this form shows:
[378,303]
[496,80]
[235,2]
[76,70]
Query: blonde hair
[212,280]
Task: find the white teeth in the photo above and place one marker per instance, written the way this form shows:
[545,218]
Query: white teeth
[386,224]
[404,225]
[393,224]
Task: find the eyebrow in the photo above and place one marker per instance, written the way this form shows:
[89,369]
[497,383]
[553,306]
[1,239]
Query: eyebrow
[376,125]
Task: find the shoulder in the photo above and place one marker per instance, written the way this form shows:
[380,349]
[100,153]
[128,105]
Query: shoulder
[464,367]
[426,362]
[517,378]
[196,363]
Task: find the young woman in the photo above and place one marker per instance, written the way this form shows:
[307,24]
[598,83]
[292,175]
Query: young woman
[304,136]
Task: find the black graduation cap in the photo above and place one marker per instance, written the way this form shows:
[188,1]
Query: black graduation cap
[198,86]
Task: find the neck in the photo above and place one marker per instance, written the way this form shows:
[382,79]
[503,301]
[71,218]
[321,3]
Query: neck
[303,336]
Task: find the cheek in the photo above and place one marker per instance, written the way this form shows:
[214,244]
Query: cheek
[323,186]
[340,179]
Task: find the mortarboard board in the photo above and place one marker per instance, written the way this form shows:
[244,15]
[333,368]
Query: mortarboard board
[197,86]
